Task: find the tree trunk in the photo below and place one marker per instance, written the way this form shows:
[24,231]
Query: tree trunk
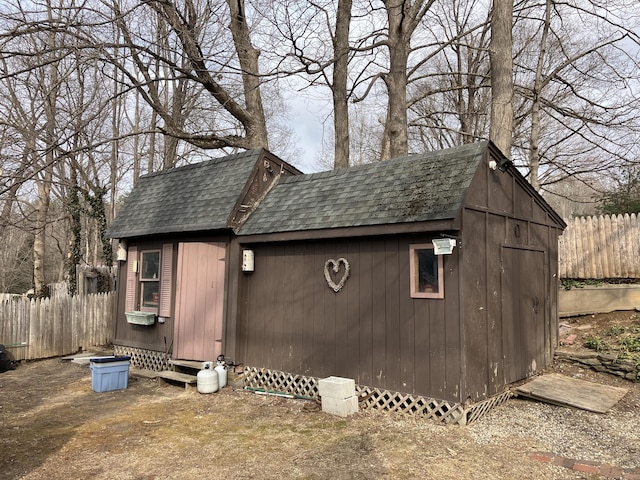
[534,152]
[395,135]
[178,114]
[403,18]
[136,150]
[152,142]
[501,57]
[339,90]
[39,241]
[75,242]
[256,124]
[116,115]
[46,175]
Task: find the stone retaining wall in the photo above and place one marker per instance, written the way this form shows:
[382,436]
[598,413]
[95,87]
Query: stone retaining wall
[603,298]
[602,362]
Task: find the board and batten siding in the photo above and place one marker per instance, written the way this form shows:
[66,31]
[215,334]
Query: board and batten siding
[508,299]
[371,330]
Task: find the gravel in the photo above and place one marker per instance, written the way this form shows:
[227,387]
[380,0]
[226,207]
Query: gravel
[610,438]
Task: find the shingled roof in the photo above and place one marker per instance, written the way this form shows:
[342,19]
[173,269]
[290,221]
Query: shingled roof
[417,188]
[193,198]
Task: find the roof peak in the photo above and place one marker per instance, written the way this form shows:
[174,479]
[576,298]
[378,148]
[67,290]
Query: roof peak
[470,148]
[205,163]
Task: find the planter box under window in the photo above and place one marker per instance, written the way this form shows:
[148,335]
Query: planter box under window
[141,318]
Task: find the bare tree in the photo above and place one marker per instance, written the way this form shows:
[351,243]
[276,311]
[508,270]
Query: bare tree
[403,19]
[340,88]
[573,88]
[501,55]
[308,28]
[54,111]
[450,88]
[569,125]
[193,61]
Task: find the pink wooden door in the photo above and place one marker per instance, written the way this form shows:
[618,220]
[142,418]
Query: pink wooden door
[199,301]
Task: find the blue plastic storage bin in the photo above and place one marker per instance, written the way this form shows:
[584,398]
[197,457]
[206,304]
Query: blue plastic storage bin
[109,373]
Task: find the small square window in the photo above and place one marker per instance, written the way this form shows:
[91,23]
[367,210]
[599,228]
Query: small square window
[427,272]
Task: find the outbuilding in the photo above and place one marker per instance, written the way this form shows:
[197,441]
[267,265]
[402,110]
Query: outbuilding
[430,280]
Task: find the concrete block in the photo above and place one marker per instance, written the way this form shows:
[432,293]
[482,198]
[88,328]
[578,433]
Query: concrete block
[337,387]
[341,407]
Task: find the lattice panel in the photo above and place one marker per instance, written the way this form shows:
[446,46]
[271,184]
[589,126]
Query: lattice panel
[439,410]
[281,382]
[141,358]
[474,412]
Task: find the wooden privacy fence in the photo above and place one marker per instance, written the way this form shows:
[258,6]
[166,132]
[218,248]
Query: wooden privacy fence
[60,325]
[600,247]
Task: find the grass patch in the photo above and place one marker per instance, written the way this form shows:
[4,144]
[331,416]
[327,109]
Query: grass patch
[594,342]
[624,341]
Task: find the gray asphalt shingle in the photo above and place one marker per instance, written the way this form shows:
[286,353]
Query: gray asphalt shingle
[423,187]
[201,197]
[186,199]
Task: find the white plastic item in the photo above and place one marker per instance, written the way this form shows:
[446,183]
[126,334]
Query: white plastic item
[207,379]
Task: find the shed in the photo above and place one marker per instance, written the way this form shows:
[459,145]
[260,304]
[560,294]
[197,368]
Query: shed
[433,275]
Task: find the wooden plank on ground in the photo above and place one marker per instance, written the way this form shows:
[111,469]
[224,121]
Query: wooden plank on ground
[179,377]
[141,372]
[572,392]
[87,355]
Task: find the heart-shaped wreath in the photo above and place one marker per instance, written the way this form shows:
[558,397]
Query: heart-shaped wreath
[334,265]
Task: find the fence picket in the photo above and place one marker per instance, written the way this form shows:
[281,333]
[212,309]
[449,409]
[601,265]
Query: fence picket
[603,250]
[634,238]
[582,249]
[616,224]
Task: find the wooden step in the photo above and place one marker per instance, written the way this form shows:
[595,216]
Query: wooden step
[190,364]
[188,380]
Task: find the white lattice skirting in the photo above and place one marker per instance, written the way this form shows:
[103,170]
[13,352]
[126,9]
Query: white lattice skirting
[142,358]
[439,410]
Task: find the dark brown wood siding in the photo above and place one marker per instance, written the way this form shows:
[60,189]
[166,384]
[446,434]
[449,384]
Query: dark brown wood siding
[508,269]
[507,277]
[371,330]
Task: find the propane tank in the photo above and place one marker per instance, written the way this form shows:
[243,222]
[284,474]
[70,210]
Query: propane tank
[221,368]
[207,378]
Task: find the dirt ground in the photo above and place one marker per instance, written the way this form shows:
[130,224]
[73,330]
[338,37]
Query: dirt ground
[616,333]
[52,425]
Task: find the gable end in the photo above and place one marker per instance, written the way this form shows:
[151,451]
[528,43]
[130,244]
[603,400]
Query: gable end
[265,175]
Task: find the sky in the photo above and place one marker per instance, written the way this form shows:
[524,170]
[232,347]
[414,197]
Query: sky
[307,118]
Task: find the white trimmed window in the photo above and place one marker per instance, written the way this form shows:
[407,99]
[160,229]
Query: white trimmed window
[427,272]
[149,280]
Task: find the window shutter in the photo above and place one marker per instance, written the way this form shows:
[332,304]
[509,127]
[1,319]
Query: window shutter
[132,283]
[166,277]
